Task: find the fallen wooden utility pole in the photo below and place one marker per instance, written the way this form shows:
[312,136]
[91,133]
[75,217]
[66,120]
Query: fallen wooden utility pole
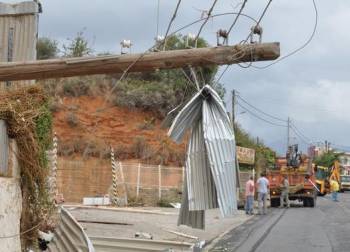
[66,67]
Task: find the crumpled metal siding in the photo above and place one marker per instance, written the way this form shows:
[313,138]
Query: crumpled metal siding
[200,184]
[23,19]
[69,236]
[220,145]
[194,218]
[217,157]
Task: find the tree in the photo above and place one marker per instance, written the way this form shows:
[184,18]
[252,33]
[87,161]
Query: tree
[78,46]
[264,156]
[327,159]
[163,90]
[46,48]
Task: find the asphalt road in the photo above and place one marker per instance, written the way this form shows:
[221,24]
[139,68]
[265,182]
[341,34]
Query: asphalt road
[325,228]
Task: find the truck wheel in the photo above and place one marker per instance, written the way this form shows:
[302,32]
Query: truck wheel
[312,202]
[275,202]
[305,202]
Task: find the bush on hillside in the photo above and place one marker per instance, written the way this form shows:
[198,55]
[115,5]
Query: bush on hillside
[46,48]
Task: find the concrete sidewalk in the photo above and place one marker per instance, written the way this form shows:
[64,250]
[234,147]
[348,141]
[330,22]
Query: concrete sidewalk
[157,221]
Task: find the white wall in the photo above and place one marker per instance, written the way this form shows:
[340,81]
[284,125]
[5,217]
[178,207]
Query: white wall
[10,214]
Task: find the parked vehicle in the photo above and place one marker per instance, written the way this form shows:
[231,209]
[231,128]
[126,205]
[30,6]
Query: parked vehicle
[324,175]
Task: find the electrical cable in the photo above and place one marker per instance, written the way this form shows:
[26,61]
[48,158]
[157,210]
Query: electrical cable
[245,41]
[205,21]
[257,116]
[236,18]
[300,48]
[296,128]
[171,22]
[261,111]
[21,233]
[158,8]
[300,137]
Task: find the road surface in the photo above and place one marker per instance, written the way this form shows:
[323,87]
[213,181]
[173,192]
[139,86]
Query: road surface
[325,228]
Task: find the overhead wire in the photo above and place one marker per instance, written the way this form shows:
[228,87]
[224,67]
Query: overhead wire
[236,18]
[261,111]
[259,117]
[205,21]
[299,136]
[171,22]
[301,47]
[302,135]
[249,35]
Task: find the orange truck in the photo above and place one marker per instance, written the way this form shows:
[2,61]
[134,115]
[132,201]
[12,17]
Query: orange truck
[301,182]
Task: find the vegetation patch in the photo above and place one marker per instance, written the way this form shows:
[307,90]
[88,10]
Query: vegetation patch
[29,122]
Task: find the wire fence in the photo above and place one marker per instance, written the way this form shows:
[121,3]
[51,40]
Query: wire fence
[77,179]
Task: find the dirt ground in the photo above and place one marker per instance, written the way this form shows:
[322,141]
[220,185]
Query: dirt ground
[158,223]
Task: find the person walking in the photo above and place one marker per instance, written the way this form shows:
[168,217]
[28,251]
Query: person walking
[284,191]
[263,185]
[249,196]
[334,189]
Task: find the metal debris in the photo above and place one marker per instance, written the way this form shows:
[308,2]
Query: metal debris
[211,170]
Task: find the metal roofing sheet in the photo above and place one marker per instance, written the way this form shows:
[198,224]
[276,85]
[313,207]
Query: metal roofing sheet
[69,236]
[18,33]
[210,156]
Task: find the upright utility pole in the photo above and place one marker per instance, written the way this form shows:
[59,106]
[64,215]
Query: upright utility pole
[288,133]
[233,108]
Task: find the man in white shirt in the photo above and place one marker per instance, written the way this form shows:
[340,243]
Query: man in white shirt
[263,185]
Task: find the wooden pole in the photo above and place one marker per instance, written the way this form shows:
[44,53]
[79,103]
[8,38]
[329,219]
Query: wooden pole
[66,67]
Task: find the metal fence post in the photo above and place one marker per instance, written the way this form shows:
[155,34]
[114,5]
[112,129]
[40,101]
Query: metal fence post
[114,179]
[138,180]
[160,181]
[123,181]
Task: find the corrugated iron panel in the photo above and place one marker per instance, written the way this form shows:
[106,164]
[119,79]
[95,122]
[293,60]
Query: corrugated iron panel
[18,34]
[210,155]
[69,236]
[112,244]
[201,187]
[220,144]
[194,218]
[4,148]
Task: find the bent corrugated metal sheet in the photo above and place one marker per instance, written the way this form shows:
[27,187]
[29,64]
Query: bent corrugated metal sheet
[211,164]
[69,236]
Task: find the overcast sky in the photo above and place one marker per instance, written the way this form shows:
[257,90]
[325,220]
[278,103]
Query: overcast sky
[311,87]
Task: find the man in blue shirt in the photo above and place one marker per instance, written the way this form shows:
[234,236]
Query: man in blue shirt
[263,185]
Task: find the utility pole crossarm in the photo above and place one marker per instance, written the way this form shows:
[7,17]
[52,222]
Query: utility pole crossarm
[67,67]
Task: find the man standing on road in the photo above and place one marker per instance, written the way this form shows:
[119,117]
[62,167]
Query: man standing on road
[249,196]
[284,191]
[334,189]
[263,184]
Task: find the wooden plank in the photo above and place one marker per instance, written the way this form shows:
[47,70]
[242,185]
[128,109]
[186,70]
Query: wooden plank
[150,61]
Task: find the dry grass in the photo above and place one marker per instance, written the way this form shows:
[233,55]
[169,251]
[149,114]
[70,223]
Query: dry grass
[22,109]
